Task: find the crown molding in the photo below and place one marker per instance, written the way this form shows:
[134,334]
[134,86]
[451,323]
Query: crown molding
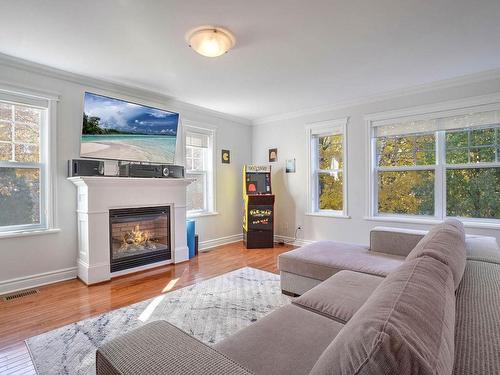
[114,86]
[423,88]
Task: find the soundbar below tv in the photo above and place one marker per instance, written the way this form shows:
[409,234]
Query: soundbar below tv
[119,130]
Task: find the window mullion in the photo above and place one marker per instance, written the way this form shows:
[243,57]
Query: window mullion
[440,176]
[13,132]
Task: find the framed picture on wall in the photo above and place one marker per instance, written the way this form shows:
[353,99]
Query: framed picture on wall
[226,157]
[290,166]
[273,155]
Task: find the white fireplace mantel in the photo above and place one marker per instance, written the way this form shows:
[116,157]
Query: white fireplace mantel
[98,195]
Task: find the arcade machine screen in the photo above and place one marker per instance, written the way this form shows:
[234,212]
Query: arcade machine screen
[257,183]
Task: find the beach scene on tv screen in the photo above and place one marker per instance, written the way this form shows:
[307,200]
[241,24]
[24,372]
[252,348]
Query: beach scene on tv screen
[116,129]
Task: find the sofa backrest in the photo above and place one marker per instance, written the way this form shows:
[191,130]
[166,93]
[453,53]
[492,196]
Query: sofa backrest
[405,327]
[444,242]
[395,241]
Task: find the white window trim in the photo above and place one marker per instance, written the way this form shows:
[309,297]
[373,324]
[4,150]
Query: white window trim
[48,144]
[326,127]
[196,127]
[444,109]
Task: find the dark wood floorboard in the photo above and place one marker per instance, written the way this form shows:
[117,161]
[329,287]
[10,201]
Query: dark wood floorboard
[70,301]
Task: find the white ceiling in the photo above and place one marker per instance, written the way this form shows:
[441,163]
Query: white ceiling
[290,54]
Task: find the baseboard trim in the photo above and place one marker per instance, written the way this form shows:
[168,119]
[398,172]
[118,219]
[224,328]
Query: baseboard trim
[32,281]
[209,244]
[292,241]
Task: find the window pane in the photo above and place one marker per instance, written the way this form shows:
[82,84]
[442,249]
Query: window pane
[481,137]
[330,191]
[405,151]
[197,164]
[5,131]
[473,192]
[330,152]
[27,153]
[482,154]
[27,133]
[425,157]
[196,192]
[27,115]
[5,111]
[472,146]
[5,151]
[19,196]
[425,142]
[457,139]
[457,156]
[197,153]
[395,151]
[406,192]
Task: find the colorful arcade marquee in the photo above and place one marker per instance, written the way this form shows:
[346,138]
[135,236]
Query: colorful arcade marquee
[258,219]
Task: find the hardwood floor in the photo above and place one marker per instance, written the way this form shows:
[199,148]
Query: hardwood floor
[70,301]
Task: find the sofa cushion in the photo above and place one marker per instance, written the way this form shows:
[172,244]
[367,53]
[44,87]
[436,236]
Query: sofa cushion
[446,243]
[477,326]
[340,296]
[287,341]
[396,241]
[405,327]
[322,259]
[482,248]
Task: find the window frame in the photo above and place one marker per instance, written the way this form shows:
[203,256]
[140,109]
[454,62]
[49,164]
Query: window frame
[441,110]
[208,173]
[46,164]
[314,131]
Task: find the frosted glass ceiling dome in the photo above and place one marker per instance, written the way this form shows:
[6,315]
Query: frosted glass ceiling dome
[210,41]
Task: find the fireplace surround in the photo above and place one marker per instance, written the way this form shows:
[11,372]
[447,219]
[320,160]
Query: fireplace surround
[99,197]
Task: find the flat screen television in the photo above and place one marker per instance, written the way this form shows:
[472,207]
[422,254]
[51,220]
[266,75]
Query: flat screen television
[120,130]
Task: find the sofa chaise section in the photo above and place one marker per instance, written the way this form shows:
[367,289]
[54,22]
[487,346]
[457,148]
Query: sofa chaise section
[305,267]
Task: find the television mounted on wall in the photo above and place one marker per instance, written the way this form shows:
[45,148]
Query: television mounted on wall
[120,130]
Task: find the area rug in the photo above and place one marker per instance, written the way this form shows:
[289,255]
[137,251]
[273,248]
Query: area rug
[210,311]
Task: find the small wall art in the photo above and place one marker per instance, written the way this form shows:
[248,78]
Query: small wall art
[273,155]
[290,166]
[226,156]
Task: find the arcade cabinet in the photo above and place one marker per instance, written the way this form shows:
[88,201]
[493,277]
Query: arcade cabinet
[258,219]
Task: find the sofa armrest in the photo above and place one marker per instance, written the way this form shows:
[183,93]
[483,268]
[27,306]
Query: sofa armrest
[395,241]
[161,348]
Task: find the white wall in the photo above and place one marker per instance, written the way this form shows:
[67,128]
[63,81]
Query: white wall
[53,256]
[289,136]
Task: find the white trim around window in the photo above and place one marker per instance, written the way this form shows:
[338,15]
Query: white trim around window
[313,132]
[439,121]
[46,164]
[207,169]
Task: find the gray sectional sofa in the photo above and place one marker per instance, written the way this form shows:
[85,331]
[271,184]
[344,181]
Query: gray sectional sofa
[431,309]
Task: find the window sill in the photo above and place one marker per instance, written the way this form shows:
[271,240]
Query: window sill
[328,214]
[27,233]
[432,221]
[194,215]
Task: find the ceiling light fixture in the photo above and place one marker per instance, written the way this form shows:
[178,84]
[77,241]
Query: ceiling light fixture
[210,41]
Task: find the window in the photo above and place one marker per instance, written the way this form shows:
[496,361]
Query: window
[23,161]
[327,177]
[199,166]
[439,165]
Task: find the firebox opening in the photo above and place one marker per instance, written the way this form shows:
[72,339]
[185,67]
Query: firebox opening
[139,236]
